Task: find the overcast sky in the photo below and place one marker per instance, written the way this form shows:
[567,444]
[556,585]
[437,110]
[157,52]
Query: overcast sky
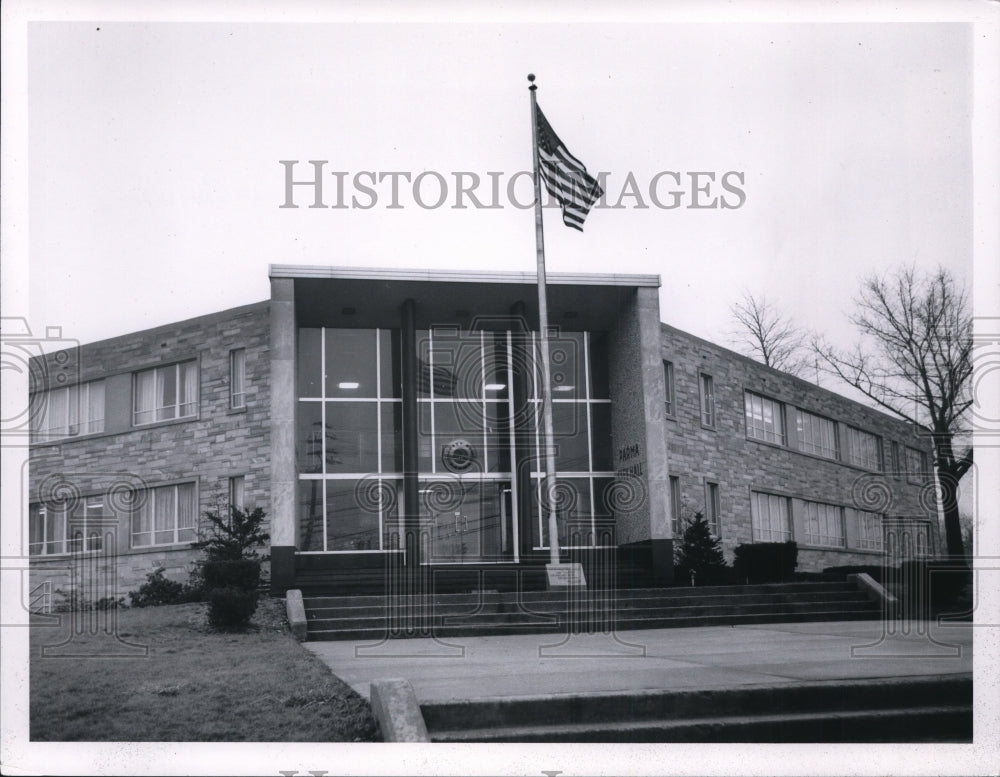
[155,181]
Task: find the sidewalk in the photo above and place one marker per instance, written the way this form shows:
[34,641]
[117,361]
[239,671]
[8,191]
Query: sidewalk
[702,657]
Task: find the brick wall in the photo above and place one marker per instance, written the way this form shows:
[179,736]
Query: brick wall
[740,465]
[218,443]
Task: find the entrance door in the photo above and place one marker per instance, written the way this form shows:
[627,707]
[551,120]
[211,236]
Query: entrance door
[468,521]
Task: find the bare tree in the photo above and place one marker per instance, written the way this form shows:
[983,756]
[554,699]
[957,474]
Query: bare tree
[914,359]
[766,334]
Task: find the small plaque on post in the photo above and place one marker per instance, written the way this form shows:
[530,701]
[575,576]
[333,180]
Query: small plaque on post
[565,576]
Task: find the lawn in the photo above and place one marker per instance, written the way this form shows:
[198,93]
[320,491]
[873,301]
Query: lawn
[193,684]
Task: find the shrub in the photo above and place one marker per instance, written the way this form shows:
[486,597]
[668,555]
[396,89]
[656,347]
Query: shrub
[700,553]
[231,607]
[766,562]
[236,537]
[239,573]
[159,590]
[230,571]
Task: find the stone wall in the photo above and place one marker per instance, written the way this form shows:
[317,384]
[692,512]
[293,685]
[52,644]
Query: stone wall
[726,456]
[207,450]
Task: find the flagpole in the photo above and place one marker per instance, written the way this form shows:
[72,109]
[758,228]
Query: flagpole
[543,326]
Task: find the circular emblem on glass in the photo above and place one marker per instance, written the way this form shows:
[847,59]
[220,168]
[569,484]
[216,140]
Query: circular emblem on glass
[458,455]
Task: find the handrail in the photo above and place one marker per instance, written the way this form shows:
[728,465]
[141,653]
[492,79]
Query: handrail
[41,593]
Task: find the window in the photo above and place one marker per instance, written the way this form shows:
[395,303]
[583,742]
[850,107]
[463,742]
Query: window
[769,516]
[675,505]
[237,378]
[707,401]
[165,393]
[863,449]
[236,491]
[712,511]
[916,465]
[897,464]
[824,524]
[165,516]
[69,411]
[49,531]
[668,388]
[869,530]
[765,418]
[348,439]
[46,531]
[817,435]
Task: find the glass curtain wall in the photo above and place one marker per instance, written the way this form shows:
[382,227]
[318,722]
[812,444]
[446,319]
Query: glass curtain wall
[348,439]
[471,419]
[581,422]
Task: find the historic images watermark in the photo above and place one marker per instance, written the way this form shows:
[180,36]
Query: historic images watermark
[48,362]
[69,575]
[309,184]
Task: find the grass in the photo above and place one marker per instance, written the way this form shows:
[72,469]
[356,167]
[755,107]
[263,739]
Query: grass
[193,684]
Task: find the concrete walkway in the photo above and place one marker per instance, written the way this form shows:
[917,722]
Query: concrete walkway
[704,657]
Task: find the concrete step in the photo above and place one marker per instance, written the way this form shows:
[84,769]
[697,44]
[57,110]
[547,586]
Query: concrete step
[331,618]
[920,724]
[424,629]
[623,594]
[491,612]
[578,604]
[935,708]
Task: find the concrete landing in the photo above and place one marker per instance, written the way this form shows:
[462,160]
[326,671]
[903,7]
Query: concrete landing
[702,657]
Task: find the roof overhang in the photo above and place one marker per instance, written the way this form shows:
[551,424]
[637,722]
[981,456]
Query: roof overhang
[373,297]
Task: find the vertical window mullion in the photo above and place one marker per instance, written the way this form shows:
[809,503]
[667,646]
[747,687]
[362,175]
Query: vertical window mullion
[322,430]
[482,396]
[590,436]
[378,407]
[177,494]
[430,369]
[512,452]
[177,412]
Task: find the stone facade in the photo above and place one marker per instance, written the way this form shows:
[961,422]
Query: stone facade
[652,442]
[217,444]
[727,456]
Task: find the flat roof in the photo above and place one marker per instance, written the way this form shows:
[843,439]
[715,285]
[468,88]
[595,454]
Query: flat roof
[459,276]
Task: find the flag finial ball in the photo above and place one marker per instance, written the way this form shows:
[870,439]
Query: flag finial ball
[531,77]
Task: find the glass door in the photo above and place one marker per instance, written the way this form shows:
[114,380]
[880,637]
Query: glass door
[468,521]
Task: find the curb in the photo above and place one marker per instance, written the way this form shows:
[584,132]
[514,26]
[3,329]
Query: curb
[296,611]
[395,706]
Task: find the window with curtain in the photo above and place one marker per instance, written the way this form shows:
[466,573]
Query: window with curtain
[765,418]
[84,529]
[69,411]
[237,377]
[52,531]
[916,465]
[668,388]
[165,516]
[869,530]
[863,449]
[817,435]
[46,530]
[824,524]
[166,393]
[769,516]
[675,506]
[713,509]
[707,401]
[236,490]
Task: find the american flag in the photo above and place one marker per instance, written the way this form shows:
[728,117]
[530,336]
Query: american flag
[564,175]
